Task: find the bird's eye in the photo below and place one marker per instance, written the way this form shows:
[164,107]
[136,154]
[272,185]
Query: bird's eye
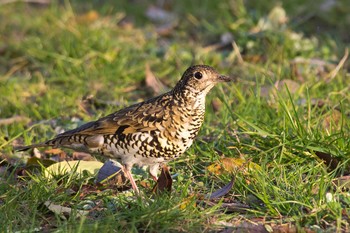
[198,75]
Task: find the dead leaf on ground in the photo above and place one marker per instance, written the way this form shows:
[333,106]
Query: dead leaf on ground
[190,200]
[229,207]
[276,20]
[152,82]
[88,18]
[223,191]
[331,161]
[159,15]
[56,154]
[259,225]
[279,87]
[36,153]
[111,170]
[247,227]
[328,159]
[301,67]
[216,104]
[38,162]
[65,167]
[166,29]
[63,211]
[165,21]
[86,190]
[227,203]
[230,165]
[226,42]
[292,85]
[83,156]
[332,121]
[89,103]
[126,22]
[342,182]
[164,182]
[14,119]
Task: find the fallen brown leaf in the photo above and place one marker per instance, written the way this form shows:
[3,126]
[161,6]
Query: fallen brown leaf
[279,87]
[111,171]
[247,227]
[230,165]
[332,122]
[226,43]
[166,29]
[56,154]
[276,19]
[82,156]
[256,225]
[216,104]
[63,211]
[88,17]
[330,161]
[159,15]
[164,182]
[188,201]
[37,162]
[342,182]
[223,191]
[165,21]
[230,206]
[14,119]
[292,85]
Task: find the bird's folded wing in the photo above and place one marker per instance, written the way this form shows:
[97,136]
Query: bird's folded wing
[137,118]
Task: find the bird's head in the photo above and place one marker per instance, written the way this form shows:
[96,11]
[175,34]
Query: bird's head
[199,79]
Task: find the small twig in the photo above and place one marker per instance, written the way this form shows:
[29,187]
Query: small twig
[237,53]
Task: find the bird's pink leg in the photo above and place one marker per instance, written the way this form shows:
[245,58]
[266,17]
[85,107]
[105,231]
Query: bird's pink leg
[153,170]
[132,181]
[155,178]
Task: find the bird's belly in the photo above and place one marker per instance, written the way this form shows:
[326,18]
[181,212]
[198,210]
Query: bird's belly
[143,148]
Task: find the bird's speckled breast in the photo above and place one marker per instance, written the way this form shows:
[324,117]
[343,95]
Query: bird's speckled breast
[174,135]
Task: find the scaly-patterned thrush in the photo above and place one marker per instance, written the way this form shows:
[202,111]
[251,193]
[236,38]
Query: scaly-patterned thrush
[151,132]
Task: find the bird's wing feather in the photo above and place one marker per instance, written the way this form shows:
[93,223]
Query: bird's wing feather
[136,118]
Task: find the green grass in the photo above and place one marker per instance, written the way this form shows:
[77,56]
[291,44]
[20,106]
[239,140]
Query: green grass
[53,56]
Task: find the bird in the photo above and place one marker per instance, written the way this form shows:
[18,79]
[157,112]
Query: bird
[148,133]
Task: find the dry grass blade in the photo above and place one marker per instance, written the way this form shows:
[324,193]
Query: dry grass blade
[334,72]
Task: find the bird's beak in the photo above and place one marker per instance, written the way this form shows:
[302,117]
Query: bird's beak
[223,78]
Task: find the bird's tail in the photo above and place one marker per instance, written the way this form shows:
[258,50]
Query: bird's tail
[43,144]
[72,141]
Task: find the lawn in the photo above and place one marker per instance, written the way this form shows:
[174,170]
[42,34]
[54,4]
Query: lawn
[280,132]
